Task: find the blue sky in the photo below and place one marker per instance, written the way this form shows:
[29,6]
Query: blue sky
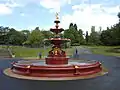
[27,14]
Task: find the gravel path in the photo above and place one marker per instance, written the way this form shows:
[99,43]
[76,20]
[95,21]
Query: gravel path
[106,82]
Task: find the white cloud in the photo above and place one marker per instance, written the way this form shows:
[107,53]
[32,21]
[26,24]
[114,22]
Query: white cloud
[5,10]
[85,16]
[12,4]
[110,10]
[54,5]
[18,3]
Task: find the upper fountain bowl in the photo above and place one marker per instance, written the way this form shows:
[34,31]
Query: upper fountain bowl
[56,30]
[57,41]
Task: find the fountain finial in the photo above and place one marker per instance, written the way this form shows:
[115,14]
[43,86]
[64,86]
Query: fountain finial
[57,17]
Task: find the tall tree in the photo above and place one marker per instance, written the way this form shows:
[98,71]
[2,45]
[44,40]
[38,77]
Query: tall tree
[3,34]
[47,34]
[37,28]
[71,25]
[75,35]
[87,37]
[119,15]
[26,33]
[92,28]
[35,38]
[106,37]
[81,38]
[94,37]
[75,26]
[15,37]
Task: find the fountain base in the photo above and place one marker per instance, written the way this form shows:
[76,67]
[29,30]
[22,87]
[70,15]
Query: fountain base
[9,72]
[74,68]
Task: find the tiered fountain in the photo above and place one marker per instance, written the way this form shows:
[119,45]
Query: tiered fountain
[56,64]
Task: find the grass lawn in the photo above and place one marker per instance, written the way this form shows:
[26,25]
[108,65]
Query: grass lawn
[28,52]
[33,52]
[25,52]
[106,50]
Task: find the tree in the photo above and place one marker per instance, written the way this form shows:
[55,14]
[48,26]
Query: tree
[3,33]
[75,26]
[37,28]
[106,37]
[92,28]
[75,35]
[69,35]
[47,34]
[87,37]
[35,38]
[118,15]
[94,37]
[100,29]
[15,37]
[81,38]
[26,34]
[71,25]
[111,36]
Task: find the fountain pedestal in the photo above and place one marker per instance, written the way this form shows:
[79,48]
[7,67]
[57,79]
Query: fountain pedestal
[56,60]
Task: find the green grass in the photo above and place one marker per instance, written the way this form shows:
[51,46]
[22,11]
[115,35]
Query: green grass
[25,52]
[33,52]
[29,52]
[106,50]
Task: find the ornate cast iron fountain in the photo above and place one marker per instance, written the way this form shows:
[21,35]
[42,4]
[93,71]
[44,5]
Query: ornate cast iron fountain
[56,64]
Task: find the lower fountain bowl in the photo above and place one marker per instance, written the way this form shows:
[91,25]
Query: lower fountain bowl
[74,68]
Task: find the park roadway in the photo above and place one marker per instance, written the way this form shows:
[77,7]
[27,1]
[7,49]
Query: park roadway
[111,81]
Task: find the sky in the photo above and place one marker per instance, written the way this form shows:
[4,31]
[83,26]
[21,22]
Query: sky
[28,14]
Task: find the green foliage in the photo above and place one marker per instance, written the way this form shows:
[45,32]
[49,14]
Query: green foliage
[94,37]
[35,38]
[26,33]
[71,25]
[47,34]
[3,34]
[15,37]
[75,35]
[111,36]
[80,35]
[75,26]
[86,37]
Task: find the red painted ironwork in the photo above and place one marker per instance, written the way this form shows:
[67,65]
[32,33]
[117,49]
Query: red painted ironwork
[57,70]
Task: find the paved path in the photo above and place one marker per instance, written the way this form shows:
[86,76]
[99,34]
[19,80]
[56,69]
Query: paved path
[84,50]
[106,82]
[81,50]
